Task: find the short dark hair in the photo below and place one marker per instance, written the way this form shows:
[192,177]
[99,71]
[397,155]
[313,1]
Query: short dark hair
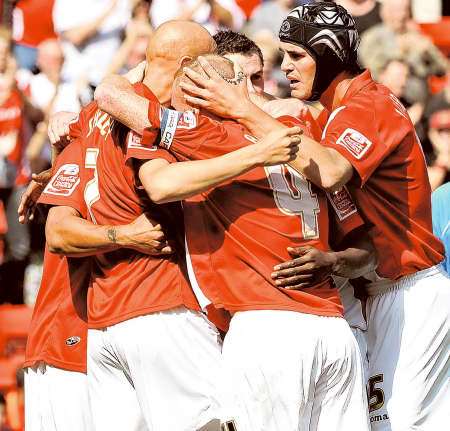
[231,42]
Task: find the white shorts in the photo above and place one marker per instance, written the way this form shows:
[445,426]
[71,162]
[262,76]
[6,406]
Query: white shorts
[172,360]
[291,371]
[408,347]
[56,400]
[353,314]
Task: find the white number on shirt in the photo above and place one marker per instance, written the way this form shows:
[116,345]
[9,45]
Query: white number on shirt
[91,191]
[294,197]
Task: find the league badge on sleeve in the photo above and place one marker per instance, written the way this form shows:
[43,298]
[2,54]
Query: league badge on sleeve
[65,181]
[355,143]
[342,203]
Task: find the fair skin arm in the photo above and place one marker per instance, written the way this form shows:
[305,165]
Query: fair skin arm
[70,235]
[166,182]
[110,96]
[323,166]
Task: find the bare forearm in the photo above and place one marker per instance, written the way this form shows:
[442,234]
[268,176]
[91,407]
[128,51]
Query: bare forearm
[354,262]
[179,181]
[76,237]
[322,166]
[110,96]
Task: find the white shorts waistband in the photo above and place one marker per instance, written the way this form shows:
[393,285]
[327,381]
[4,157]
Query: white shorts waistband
[382,286]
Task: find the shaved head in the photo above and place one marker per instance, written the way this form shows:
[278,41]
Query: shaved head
[223,66]
[176,39]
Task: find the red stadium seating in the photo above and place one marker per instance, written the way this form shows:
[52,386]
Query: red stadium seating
[8,370]
[439,33]
[14,323]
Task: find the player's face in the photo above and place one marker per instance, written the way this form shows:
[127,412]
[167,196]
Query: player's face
[300,69]
[252,66]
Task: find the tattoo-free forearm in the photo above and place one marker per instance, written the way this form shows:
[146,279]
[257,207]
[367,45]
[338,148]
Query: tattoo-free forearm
[110,96]
[354,262]
[178,181]
[323,166]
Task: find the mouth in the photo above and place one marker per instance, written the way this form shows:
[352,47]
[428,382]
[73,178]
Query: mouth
[293,82]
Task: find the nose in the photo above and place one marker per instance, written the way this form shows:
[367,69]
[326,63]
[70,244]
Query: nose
[286,64]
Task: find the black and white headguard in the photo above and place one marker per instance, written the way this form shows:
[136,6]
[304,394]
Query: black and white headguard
[328,33]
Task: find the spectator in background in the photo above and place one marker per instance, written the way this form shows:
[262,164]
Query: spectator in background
[212,14]
[11,177]
[269,16]
[133,48]
[32,24]
[90,31]
[439,135]
[366,13]
[3,425]
[396,37]
[441,219]
[48,94]
[394,75]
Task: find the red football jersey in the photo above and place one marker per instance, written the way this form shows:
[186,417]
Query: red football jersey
[58,330]
[126,283]
[33,22]
[11,120]
[373,131]
[238,231]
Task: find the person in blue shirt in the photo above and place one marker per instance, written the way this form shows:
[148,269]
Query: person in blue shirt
[440,205]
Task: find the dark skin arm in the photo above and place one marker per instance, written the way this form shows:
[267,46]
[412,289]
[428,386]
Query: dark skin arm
[310,265]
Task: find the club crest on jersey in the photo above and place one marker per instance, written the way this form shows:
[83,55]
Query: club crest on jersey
[65,181]
[342,203]
[355,143]
[134,141]
[71,341]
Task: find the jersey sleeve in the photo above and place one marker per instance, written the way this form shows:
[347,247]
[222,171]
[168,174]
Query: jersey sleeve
[66,186]
[344,215]
[352,132]
[192,136]
[146,147]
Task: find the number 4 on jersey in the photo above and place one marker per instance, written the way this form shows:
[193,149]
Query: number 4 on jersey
[294,197]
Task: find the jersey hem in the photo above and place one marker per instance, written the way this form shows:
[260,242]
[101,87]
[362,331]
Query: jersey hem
[68,366]
[236,308]
[105,323]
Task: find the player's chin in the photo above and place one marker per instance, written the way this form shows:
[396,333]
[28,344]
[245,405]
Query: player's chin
[300,93]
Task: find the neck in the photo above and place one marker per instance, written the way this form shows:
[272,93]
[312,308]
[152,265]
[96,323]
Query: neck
[160,82]
[333,95]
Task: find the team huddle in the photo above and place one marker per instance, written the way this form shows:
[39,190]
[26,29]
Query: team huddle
[221,260]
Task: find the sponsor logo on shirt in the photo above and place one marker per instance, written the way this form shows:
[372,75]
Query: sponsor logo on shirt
[71,341]
[188,120]
[7,114]
[65,181]
[355,143]
[342,203]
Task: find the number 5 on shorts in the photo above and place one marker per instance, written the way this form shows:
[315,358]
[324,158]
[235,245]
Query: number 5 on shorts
[376,395]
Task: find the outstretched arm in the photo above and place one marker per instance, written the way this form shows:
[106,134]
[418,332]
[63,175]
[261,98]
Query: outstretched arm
[165,182]
[325,167]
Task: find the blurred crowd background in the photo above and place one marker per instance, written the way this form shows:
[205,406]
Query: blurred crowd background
[53,53]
